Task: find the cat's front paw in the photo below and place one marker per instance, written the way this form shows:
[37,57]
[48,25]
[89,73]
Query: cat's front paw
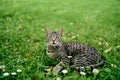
[56,69]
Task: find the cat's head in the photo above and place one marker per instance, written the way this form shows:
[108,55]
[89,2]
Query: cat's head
[54,38]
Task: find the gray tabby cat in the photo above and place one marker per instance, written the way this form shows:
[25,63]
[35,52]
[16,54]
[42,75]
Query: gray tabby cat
[73,54]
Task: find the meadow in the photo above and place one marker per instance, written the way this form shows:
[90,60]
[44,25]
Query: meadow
[23,36]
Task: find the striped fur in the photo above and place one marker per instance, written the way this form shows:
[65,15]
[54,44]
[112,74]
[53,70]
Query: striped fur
[71,53]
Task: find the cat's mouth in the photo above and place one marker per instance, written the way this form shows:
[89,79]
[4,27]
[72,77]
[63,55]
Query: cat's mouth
[53,41]
[54,44]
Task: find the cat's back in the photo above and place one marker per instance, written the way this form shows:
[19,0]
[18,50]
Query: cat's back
[77,47]
[73,45]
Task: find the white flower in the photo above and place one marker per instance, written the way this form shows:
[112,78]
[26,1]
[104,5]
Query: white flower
[2,66]
[95,71]
[13,73]
[82,73]
[69,57]
[64,71]
[6,74]
[19,70]
[58,78]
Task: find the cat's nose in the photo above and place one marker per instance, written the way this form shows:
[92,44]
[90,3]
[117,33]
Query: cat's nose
[53,42]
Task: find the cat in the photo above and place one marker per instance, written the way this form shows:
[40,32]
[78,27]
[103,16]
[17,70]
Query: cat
[73,54]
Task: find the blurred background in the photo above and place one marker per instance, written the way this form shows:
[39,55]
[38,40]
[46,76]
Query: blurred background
[23,37]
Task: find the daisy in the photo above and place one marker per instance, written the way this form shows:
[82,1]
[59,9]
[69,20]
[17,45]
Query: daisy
[19,70]
[6,74]
[64,71]
[13,73]
[95,71]
[83,73]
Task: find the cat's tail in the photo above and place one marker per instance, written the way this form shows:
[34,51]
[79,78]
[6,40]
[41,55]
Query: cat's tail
[100,64]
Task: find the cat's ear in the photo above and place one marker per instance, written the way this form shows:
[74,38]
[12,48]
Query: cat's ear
[60,31]
[47,31]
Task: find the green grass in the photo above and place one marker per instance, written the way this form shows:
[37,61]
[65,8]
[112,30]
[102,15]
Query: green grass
[23,37]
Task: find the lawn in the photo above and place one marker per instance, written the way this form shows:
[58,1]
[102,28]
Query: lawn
[23,37]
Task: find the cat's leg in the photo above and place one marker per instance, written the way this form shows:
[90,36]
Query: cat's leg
[57,68]
[64,62]
[80,63]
